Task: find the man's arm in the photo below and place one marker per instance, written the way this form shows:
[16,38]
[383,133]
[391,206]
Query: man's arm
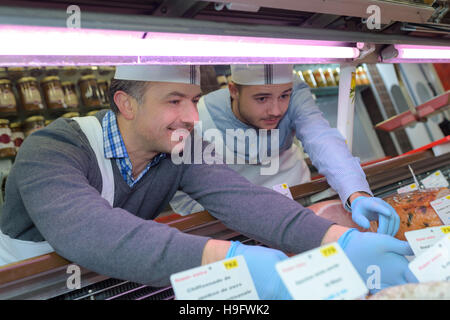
[257,212]
[325,145]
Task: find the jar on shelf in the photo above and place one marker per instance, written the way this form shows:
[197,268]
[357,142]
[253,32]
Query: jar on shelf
[336,74]
[105,70]
[70,94]
[364,79]
[17,135]
[103,89]
[7,148]
[7,99]
[53,93]
[89,91]
[16,72]
[3,73]
[320,78]
[300,75]
[30,96]
[309,78]
[331,82]
[35,71]
[69,71]
[51,71]
[33,124]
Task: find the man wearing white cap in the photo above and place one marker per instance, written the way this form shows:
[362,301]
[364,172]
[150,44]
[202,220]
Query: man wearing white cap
[268,97]
[89,188]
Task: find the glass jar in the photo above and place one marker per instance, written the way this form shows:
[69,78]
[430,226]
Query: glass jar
[33,124]
[7,99]
[320,78]
[336,74]
[70,95]
[16,72]
[331,82]
[103,89]
[51,71]
[17,135]
[30,96]
[7,148]
[53,93]
[89,91]
[309,78]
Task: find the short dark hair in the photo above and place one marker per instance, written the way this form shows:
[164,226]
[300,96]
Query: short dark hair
[136,89]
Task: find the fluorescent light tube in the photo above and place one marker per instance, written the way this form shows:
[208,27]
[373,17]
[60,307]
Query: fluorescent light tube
[81,45]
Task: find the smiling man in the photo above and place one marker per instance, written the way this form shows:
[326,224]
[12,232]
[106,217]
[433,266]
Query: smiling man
[268,97]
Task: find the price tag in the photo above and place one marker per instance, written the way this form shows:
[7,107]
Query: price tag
[433,264]
[223,280]
[423,239]
[323,273]
[283,189]
[442,208]
[435,180]
[408,188]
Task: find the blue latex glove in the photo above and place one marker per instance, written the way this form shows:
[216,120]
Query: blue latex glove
[261,264]
[367,249]
[366,209]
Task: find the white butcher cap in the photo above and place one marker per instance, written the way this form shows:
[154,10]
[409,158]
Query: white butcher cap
[257,74]
[163,73]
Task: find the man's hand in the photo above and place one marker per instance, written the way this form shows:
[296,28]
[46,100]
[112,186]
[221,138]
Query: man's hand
[368,249]
[261,264]
[366,208]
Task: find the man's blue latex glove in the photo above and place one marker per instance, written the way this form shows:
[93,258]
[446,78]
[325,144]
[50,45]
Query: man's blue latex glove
[379,252]
[261,264]
[366,209]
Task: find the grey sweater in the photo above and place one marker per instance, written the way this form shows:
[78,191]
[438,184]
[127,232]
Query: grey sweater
[53,193]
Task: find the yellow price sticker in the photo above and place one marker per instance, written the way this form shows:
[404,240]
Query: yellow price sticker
[447,197]
[230,264]
[328,251]
[284,185]
[437,173]
[445,229]
[412,186]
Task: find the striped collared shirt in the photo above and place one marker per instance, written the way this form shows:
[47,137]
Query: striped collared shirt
[114,148]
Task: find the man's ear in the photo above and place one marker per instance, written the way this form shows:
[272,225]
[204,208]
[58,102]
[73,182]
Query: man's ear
[234,91]
[125,104]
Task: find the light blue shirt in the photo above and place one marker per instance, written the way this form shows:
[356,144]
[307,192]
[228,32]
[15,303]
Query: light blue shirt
[325,145]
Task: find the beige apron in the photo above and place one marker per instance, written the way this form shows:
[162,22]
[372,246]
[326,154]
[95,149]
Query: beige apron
[14,250]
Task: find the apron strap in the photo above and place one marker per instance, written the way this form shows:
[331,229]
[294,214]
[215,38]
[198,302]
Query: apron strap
[92,128]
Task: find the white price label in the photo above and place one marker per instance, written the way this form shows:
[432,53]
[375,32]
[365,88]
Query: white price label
[283,189]
[408,188]
[423,239]
[442,208]
[323,273]
[433,264]
[227,279]
[435,180]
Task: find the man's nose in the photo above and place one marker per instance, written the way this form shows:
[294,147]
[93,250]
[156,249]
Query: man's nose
[275,109]
[189,114]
